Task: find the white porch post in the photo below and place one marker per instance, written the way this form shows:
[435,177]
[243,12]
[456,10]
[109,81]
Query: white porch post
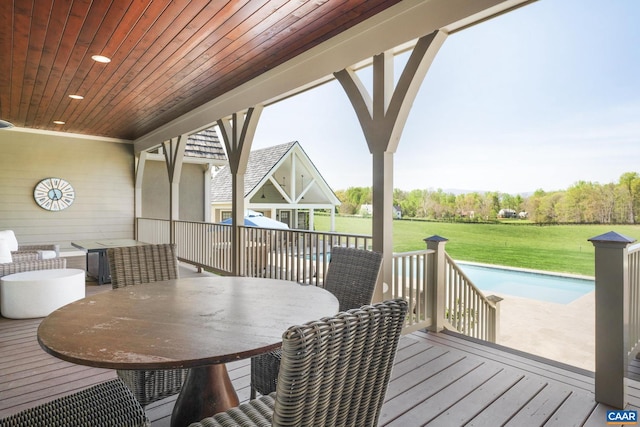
[382,118]
[237,134]
[612,317]
[139,175]
[174,158]
[311,218]
[206,175]
[333,218]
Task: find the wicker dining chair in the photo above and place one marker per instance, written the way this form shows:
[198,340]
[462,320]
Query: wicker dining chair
[135,265]
[108,404]
[334,372]
[351,276]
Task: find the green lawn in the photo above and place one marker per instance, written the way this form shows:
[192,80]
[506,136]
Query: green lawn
[559,248]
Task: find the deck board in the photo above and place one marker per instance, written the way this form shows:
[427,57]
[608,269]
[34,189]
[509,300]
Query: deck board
[569,375]
[574,411]
[541,407]
[509,403]
[442,379]
[475,402]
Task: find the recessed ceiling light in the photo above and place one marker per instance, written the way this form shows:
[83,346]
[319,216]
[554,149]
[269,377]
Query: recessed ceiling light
[76,96]
[58,122]
[100,58]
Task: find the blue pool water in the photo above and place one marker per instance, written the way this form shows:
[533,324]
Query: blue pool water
[543,287]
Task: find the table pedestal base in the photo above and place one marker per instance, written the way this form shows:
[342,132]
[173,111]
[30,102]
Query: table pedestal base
[206,391]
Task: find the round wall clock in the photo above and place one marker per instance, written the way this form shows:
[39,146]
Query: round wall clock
[54,194]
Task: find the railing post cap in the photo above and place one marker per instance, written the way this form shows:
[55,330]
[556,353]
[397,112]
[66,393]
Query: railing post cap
[494,299]
[436,238]
[611,237]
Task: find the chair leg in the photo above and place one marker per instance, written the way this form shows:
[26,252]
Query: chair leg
[252,394]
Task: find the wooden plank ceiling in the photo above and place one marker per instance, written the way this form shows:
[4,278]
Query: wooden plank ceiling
[167,57]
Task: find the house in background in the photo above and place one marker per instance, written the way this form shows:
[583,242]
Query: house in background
[281,183]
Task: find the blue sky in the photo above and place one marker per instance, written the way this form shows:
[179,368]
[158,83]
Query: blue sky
[538,98]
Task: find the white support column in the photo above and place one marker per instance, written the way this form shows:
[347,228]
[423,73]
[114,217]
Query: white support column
[312,219]
[612,318]
[382,118]
[137,196]
[237,134]
[140,164]
[174,158]
[206,175]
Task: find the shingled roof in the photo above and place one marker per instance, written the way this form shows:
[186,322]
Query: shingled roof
[206,145]
[261,162]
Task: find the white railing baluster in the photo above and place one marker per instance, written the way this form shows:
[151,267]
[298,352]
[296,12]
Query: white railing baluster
[470,312]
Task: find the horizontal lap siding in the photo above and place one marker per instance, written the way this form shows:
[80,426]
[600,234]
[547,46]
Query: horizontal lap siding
[101,173]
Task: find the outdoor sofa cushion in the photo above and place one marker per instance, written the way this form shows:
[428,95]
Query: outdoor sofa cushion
[5,252]
[10,237]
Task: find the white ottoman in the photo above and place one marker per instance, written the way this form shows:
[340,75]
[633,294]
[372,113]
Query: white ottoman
[38,293]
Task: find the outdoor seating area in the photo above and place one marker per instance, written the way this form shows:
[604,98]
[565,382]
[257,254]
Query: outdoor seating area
[349,276]
[30,377]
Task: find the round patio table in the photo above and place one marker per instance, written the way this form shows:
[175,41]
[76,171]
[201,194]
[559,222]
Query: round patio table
[197,323]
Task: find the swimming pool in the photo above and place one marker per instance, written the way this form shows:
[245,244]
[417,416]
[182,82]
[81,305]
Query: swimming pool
[525,284]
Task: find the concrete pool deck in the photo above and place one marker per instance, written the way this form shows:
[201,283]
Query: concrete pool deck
[561,332]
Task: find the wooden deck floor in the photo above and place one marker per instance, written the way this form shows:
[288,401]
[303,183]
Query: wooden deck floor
[438,379]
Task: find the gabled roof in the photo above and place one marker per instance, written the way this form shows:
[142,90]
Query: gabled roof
[277,176]
[261,162]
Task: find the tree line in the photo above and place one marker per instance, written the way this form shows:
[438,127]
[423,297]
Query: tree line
[583,202]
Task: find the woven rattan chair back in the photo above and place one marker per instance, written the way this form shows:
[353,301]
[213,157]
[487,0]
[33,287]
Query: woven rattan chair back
[134,265]
[102,405]
[334,372]
[352,276]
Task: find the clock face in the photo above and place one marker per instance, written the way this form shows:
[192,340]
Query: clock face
[54,194]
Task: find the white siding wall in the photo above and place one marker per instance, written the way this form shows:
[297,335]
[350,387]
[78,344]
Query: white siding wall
[101,173]
[155,191]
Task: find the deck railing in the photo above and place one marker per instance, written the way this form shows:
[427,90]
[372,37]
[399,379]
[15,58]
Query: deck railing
[410,281]
[298,255]
[467,309]
[441,296]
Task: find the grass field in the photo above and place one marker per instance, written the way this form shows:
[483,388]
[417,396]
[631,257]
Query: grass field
[559,248]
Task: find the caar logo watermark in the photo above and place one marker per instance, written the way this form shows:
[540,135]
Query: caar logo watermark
[622,417]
